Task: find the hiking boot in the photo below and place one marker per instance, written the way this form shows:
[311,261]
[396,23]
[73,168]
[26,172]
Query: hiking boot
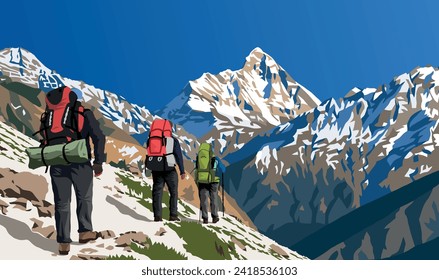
[87,236]
[158,219]
[174,218]
[205,221]
[215,220]
[64,248]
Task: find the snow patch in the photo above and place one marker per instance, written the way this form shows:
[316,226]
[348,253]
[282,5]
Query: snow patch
[263,156]
[128,151]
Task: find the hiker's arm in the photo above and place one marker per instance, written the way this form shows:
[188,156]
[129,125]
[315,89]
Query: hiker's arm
[97,136]
[178,155]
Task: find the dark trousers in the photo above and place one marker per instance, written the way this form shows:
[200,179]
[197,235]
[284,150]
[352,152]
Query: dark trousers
[207,191]
[63,177]
[159,179]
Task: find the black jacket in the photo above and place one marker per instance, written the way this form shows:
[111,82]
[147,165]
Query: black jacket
[92,130]
[178,155]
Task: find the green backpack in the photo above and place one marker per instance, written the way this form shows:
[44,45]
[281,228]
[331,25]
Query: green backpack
[205,167]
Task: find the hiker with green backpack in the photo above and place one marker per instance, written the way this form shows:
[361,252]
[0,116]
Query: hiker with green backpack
[205,176]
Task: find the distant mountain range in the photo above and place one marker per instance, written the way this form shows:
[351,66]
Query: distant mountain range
[339,156]
[294,165]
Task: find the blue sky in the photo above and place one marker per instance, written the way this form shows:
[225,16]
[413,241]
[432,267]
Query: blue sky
[147,51]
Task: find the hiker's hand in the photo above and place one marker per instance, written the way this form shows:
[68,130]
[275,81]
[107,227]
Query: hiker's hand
[182,176]
[97,168]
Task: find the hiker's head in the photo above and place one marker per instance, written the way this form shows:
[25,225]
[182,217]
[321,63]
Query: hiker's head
[78,93]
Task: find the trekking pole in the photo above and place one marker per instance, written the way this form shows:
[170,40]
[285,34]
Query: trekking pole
[199,196]
[222,182]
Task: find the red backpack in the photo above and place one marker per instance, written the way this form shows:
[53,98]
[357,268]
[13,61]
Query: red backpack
[159,151]
[63,119]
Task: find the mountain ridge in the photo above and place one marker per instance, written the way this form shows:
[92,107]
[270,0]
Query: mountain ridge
[239,104]
[341,155]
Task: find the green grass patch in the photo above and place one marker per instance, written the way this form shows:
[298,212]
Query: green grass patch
[258,238]
[245,243]
[231,232]
[201,242]
[6,156]
[11,143]
[228,220]
[157,251]
[232,250]
[148,205]
[227,232]
[239,227]
[121,257]
[135,188]
[215,228]
[187,210]
[121,165]
[237,232]
[18,136]
[142,192]
[276,255]
[263,252]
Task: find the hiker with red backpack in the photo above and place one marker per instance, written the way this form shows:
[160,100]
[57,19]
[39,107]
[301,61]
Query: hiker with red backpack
[65,121]
[163,152]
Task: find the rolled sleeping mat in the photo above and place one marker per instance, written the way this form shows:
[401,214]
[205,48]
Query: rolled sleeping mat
[61,154]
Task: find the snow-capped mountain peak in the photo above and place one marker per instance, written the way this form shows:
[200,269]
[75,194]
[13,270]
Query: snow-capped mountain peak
[240,103]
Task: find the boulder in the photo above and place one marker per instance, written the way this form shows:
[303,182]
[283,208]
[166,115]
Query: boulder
[125,240]
[106,234]
[3,206]
[279,250]
[48,232]
[238,243]
[160,232]
[88,257]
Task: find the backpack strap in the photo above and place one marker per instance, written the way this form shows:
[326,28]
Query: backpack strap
[78,119]
[64,154]
[42,158]
[163,133]
[43,128]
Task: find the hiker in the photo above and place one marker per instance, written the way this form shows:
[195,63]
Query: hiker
[64,121]
[205,176]
[163,153]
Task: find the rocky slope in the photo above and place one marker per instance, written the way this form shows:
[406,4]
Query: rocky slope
[27,223]
[400,225]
